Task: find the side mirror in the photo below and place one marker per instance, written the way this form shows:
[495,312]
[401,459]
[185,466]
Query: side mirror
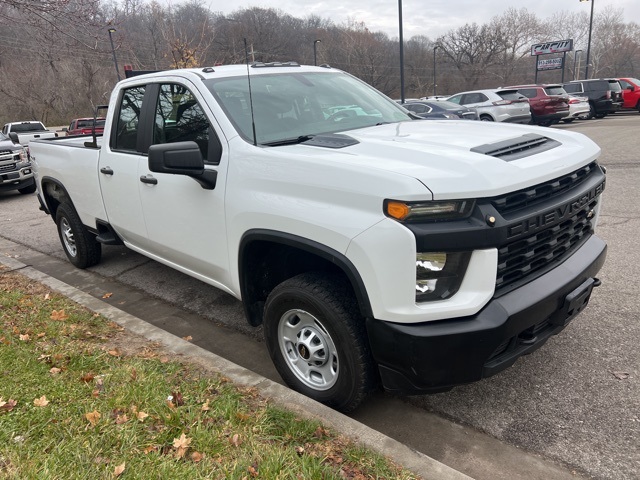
[181,158]
[14,137]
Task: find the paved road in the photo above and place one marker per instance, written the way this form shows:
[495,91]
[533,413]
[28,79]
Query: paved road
[557,411]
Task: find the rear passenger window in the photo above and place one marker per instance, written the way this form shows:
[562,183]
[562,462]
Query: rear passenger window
[572,88]
[128,118]
[179,118]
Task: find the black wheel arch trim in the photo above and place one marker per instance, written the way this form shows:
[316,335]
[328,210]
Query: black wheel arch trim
[310,246]
[47,206]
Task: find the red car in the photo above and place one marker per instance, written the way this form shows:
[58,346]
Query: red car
[84,126]
[630,92]
[549,103]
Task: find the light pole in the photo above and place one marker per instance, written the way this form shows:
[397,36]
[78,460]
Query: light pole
[113,50]
[586,68]
[576,69]
[315,51]
[401,52]
[434,69]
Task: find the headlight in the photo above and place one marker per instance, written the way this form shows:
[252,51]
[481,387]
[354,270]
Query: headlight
[21,156]
[439,274]
[426,211]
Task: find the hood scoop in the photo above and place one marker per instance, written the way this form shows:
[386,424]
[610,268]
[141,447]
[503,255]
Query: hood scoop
[515,148]
[331,140]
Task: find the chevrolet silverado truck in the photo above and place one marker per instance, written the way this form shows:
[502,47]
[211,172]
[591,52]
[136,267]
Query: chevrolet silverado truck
[24,132]
[15,167]
[375,248]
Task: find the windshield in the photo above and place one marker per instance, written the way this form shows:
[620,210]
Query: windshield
[290,106]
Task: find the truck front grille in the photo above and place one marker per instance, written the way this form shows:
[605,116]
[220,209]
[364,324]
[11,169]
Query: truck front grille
[543,191]
[8,168]
[531,254]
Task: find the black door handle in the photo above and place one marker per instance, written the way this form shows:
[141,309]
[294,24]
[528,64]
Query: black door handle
[106,170]
[149,180]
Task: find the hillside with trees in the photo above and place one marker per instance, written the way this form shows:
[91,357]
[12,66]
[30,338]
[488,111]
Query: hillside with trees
[56,59]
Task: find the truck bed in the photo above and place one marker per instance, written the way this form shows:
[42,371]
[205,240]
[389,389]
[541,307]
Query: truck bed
[75,166]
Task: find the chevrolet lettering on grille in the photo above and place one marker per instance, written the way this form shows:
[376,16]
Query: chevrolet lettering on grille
[547,219]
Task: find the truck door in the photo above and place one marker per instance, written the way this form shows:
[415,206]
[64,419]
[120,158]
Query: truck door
[185,222]
[120,162]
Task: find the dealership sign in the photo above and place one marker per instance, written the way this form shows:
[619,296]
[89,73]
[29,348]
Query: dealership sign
[552,47]
[550,63]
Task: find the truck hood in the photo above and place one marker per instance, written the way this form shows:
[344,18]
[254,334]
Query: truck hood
[466,159]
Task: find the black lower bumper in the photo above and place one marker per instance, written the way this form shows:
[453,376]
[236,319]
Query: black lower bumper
[435,356]
[14,182]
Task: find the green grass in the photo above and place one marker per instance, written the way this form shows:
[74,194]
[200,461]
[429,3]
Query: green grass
[107,409]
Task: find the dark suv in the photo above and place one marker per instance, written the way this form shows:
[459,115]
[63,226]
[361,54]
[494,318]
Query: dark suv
[549,103]
[605,94]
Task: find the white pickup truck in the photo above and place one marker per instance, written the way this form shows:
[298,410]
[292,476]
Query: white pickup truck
[24,132]
[374,248]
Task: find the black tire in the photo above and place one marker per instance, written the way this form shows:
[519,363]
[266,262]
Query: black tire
[568,120]
[317,340]
[78,243]
[27,190]
[592,112]
[486,118]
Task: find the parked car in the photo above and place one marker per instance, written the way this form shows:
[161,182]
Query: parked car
[549,103]
[24,132]
[15,167]
[578,108]
[439,109]
[496,105]
[630,93]
[605,95]
[84,126]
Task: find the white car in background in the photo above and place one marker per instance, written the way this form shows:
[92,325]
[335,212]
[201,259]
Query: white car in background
[578,108]
[496,105]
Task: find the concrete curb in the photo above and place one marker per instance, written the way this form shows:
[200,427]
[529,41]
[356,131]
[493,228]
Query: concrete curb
[426,467]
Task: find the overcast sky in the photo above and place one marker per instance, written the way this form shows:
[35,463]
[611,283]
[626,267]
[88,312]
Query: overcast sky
[422,17]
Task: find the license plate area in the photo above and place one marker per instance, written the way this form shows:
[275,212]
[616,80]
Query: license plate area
[575,302]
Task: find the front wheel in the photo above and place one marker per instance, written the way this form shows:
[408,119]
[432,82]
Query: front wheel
[80,246]
[317,340]
[486,118]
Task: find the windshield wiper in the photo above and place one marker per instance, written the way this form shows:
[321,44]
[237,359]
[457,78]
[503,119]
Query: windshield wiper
[288,141]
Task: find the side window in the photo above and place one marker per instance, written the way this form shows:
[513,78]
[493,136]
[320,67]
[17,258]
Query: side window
[572,87]
[528,92]
[455,99]
[624,84]
[128,118]
[179,118]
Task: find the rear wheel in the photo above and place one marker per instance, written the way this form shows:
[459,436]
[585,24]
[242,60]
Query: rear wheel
[317,340]
[78,243]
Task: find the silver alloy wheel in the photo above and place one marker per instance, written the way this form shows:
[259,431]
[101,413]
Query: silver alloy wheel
[67,237]
[308,349]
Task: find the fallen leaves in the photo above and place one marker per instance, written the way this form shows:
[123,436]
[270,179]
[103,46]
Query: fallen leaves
[93,417]
[621,375]
[181,445]
[107,295]
[119,469]
[7,406]
[59,315]
[235,440]
[41,402]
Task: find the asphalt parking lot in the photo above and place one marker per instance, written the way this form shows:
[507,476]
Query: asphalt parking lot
[573,406]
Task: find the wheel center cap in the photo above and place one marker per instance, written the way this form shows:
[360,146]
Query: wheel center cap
[303,351]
